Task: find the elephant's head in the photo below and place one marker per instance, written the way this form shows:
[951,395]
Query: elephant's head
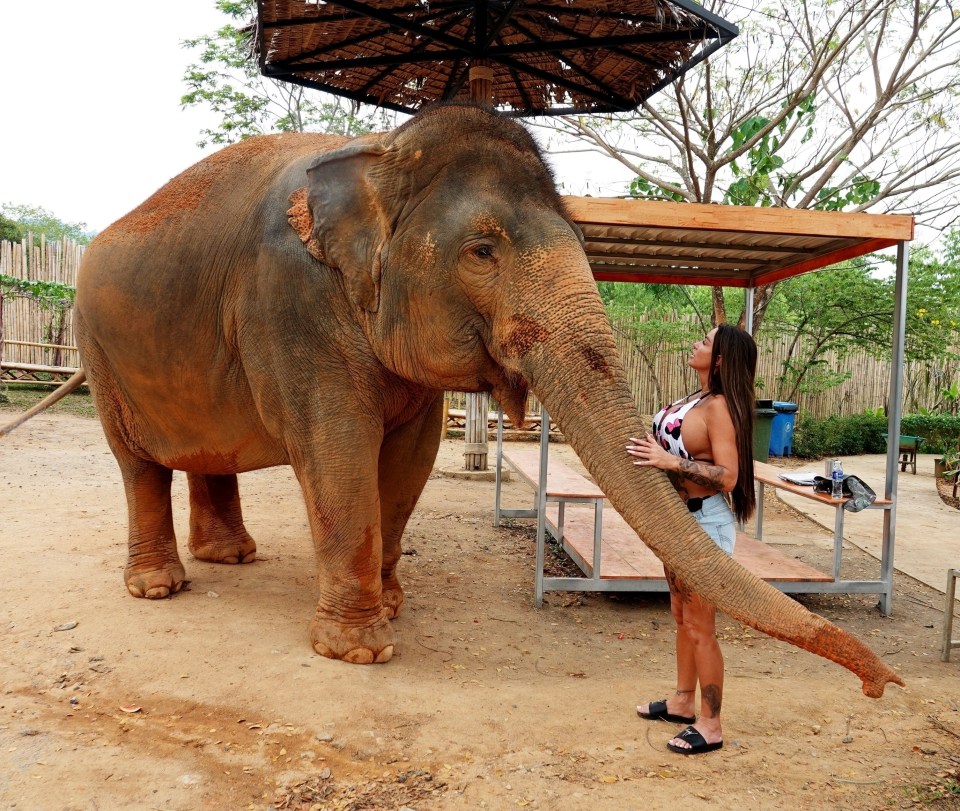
[467,274]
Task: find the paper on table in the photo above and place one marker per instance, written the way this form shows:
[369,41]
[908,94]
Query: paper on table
[800,477]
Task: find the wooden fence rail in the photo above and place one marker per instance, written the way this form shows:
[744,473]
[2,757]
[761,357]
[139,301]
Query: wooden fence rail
[657,374]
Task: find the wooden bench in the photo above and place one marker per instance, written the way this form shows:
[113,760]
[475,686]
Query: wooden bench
[35,373]
[766,475]
[626,557]
[457,418]
[571,508]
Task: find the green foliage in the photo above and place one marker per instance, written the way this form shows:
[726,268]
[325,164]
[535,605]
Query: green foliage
[839,436]
[863,433]
[644,189]
[836,311]
[21,397]
[940,432]
[9,230]
[40,221]
[933,300]
[49,294]
[227,79]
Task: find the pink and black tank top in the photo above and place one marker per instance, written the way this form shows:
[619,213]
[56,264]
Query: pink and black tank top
[667,424]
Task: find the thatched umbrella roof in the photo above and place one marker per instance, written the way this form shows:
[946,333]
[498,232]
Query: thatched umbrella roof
[542,57]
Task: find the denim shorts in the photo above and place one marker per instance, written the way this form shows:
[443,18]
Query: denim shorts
[715,518]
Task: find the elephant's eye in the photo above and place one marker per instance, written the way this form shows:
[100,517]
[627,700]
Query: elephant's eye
[483,252]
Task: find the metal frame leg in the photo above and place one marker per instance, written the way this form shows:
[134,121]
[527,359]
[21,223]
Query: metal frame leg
[948,608]
[837,542]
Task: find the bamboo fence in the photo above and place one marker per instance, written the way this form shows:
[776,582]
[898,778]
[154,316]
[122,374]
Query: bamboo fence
[657,374]
[34,332]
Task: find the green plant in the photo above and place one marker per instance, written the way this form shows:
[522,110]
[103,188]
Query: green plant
[951,462]
[839,436]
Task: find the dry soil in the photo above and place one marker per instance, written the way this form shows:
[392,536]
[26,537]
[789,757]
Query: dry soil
[214,698]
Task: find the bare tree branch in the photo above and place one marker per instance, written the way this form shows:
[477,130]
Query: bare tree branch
[838,104]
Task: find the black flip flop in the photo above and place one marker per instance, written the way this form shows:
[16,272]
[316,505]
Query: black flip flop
[657,711]
[698,744]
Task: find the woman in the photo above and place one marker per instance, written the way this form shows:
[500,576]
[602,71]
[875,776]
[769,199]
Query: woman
[704,443]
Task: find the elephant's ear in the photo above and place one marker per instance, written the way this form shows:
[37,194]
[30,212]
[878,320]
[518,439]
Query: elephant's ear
[349,227]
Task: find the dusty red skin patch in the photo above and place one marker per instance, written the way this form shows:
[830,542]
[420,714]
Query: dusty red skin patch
[187,191]
[524,335]
[301,220]
[595,361]
[204,463]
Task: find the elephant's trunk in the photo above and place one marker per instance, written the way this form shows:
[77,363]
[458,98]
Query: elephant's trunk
[577,374]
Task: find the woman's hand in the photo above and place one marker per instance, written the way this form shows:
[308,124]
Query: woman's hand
[649,453]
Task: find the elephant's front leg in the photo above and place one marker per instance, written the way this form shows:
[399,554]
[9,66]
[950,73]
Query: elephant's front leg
[406,459]
[217,532]
[153,565]
[342,504]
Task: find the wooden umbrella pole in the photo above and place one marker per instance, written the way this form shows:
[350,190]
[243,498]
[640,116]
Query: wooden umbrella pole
[481,83]
[475,434]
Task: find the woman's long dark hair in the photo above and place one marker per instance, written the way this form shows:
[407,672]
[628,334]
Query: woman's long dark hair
[734,377]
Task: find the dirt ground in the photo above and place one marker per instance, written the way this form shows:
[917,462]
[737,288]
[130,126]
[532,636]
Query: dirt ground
[214,698]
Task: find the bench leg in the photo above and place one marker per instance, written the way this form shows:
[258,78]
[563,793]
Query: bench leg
[948,608]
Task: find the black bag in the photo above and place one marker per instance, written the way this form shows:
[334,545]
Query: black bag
[859,493]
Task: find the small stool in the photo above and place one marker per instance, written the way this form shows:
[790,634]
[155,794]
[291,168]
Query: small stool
[948,642]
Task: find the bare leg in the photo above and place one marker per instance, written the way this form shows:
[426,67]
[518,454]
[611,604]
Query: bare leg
[406,459]
[217,532]
[699,622]
[683,701]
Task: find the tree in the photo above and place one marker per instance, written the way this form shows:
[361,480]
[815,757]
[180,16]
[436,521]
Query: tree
[818,104]
[228,80]
[850,309]
[37,220]
[9,230]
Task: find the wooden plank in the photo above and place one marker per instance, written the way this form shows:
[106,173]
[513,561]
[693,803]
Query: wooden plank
[746,219]
[562,481]
[768,474]
[625,557]
[38,367]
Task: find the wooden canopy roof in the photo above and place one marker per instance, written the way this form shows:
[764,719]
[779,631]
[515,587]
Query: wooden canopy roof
[728,246]
[542,57]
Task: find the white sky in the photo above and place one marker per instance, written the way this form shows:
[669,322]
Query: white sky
[92,124]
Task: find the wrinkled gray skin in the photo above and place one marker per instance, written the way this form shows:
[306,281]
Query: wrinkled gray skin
[222,335]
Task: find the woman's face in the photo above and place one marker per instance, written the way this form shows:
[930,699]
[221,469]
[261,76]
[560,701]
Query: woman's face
[702,352]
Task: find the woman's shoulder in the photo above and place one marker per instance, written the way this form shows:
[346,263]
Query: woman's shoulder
[716,406]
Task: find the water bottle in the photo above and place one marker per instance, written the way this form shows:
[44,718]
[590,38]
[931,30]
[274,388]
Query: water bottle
[836,477]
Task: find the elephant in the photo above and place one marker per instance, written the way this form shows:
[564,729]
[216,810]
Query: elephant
[306,299]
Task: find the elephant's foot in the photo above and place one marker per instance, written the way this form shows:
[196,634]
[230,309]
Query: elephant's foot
[155,584]
[240,548]
[360,645]
[392,597]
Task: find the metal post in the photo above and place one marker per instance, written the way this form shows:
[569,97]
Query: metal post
[894,408]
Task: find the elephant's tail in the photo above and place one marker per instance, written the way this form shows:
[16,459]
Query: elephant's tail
[62,391]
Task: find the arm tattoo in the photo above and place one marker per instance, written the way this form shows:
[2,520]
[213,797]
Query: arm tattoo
[701,473]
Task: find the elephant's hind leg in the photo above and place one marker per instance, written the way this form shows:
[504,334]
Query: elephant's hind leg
[217,533]
[153,565]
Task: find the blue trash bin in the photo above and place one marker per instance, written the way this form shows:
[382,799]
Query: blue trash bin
[781,430]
